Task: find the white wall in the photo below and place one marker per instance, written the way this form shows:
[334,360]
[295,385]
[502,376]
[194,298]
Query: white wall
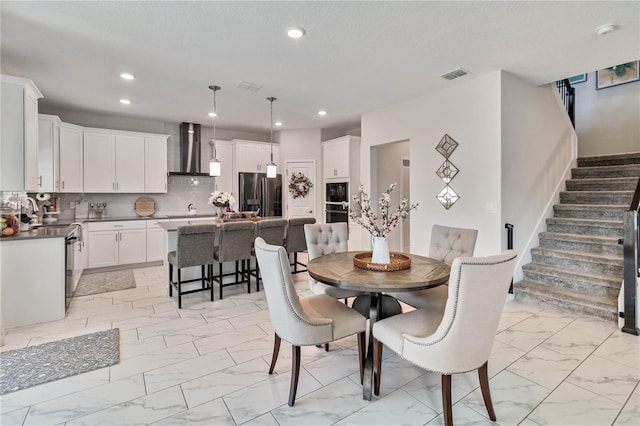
[389,168]
[538,151]
[469,111]
[304,145]
[607,120]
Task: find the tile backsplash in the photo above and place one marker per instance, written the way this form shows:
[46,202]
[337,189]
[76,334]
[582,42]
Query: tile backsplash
[181,192]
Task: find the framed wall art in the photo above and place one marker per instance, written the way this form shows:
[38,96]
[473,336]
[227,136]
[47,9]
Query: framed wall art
[617,74]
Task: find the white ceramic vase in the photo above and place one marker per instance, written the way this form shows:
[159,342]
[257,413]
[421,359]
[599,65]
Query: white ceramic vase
[380,249]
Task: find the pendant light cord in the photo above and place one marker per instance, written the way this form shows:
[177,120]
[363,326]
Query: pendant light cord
[271,99]
[215,117]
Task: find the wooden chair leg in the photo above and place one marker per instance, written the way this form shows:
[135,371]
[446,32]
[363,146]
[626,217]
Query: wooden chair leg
[447,410]
[295,372]
[276,351]
[362,352]
[377,362]
[483,375]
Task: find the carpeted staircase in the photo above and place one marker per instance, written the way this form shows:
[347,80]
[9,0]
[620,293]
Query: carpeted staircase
[578,266]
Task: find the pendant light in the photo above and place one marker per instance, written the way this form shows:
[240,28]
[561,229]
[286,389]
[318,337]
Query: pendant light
[272,169]
[214,164]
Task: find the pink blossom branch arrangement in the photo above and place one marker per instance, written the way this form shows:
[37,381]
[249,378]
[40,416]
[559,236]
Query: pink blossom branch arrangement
[369,220]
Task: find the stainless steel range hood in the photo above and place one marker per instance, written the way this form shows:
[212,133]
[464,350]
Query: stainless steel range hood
[189,151]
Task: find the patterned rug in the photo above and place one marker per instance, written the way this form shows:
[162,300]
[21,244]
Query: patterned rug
[103,282]
[34,365]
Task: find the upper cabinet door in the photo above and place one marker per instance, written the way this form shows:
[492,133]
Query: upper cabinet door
[129,163]
[155,164]
[224,153]
[248,158]
[336,158]
[99,162]
[47,153]
[71,165]
[31,177]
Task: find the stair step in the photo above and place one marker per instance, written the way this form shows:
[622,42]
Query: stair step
[596,197]
[610,160]
[591,211]
[594,284]
[605,228]
[577,261]
[567,300]
[628,170]
[602,184]
[605,246]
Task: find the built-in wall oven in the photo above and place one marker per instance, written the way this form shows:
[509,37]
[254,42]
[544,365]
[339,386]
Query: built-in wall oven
[335,194]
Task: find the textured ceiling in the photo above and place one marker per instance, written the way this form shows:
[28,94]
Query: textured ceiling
[355,57]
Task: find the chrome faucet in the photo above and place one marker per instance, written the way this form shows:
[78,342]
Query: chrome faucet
[34,205]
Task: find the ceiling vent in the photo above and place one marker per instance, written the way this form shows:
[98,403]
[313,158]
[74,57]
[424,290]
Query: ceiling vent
[251,87]
[458,72]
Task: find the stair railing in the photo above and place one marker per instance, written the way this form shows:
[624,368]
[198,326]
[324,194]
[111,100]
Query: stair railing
[568,95]
[631,262]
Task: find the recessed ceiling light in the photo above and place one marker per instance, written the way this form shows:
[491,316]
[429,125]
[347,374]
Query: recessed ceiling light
[322,112]
[127,76]
[605,29]
[213,114]
[125,101]
[278,123]
[295,32]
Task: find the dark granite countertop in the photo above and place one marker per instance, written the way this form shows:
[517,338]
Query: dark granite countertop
[58,231]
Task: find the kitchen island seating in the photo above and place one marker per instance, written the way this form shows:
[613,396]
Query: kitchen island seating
[323,239]
[295,241]
[234,245]
[447,243]
[458,338]
[311,320]
[273,232]
[194,247]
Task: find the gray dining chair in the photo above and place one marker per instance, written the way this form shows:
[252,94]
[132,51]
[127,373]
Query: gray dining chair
[446,244]
[458,338]
[306,321]
[273,232]
[324,239]
[295,242]
[194,247]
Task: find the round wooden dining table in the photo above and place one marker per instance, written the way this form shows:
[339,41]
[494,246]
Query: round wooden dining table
[338,270]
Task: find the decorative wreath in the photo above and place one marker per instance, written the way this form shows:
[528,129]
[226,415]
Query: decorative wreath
[299,185]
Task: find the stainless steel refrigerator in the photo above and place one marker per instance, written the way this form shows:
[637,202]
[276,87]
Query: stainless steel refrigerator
[257,192]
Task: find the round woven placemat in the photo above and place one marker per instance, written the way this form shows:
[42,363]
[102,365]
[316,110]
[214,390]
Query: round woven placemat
[399,262]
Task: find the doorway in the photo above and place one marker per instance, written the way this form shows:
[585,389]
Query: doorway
[302,205]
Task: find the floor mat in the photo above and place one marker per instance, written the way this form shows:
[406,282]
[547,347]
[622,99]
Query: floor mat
[34,365]
[105,281]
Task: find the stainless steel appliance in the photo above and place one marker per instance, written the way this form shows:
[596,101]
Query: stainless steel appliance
[73,243]
[335,194]
[259,193]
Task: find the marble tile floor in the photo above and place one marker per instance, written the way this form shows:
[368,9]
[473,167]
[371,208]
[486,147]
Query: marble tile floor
[207,364]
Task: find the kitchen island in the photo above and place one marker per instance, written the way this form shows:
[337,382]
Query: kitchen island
[32,278]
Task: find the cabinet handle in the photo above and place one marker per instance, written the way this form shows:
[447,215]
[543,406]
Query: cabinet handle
[116,236]
[113,186]
[40,180]
[117,186]
[62,184]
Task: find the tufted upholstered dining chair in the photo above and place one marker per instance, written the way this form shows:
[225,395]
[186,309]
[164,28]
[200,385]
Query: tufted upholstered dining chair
[194,247]
[235,243]
[447,243]
[273,232]
[324,239]
[295,242]
[460,337]
[306,321]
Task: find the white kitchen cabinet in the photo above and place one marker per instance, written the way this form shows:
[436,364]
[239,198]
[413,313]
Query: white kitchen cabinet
[48,152]
[113,162]
[70,162]
[341,157]
[19,134]
[155,164]
[252,157]
[155,241]
[117,243]
[224,153]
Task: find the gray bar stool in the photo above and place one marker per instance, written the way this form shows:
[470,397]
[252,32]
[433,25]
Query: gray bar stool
[194,247]
[295,241]
[273,232]
[236,239]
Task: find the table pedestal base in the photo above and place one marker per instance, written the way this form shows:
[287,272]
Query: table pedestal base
[389,306]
